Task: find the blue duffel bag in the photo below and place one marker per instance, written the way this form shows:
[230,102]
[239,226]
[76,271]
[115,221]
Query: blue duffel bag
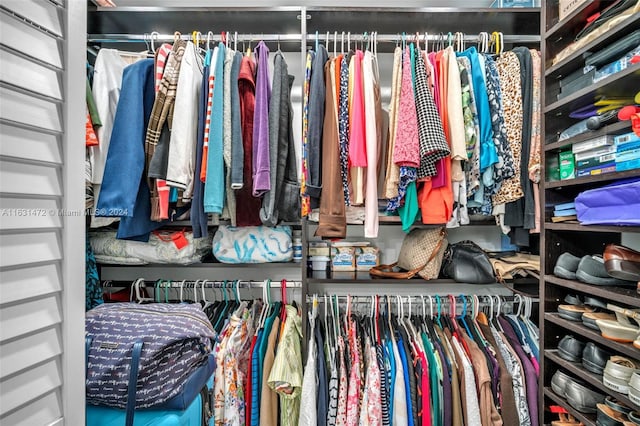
[197,413]
[147,356]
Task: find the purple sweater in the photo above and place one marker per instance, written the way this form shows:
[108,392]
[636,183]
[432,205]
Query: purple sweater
[261,163]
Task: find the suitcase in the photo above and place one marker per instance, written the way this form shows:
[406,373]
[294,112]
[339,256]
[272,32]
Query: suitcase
[196,414]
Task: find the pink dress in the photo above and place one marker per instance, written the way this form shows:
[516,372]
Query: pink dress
[406,151]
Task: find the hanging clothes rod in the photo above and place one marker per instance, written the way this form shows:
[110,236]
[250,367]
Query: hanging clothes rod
[141,38]
[229,284]
[410,37]
[386,38]
[443,298]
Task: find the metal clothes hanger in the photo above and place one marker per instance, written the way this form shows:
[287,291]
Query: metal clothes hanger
[154,37]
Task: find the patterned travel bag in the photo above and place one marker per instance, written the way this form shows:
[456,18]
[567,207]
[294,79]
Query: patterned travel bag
[147,356]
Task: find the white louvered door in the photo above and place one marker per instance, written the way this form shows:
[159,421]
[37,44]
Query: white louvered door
[42,90]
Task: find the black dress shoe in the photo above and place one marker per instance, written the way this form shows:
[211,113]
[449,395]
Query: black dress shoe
[594,358]
[609,417]
[570,348]
[617,405]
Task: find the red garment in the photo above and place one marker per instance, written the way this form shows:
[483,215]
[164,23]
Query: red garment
[248,213]
[247,386]
[90,135]
[436,204]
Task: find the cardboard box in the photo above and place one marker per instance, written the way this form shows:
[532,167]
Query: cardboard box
[628,165]
[630,155]
[626,138]
[595,161]
[592,144]
[319,248]
[598,152]
[567,165]
[553,168]
[366,258]
[343,259]
[599,170]
[565,7]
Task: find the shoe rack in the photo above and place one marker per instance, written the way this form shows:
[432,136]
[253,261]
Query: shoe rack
[580,240]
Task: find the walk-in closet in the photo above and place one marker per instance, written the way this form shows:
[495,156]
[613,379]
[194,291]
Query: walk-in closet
[320,213]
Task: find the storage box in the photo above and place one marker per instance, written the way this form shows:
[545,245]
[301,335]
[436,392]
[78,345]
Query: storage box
[625,139]
[623,156]
[553,168]
[319,248]
[628,165]
[629,146]
[595,161]
[598,170]
[565,7]
[515,3]
[343,258]
[594,143]
[567,165]
[597,152]
[366,258]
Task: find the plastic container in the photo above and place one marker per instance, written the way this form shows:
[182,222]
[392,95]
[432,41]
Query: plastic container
[297,246]
[319,263]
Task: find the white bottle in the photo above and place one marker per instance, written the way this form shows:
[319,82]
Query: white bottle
[297,246]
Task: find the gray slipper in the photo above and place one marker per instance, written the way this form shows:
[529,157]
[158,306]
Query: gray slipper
[566,266]
[591,270]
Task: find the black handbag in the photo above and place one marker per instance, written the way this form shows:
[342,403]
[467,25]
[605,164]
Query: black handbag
[466,262]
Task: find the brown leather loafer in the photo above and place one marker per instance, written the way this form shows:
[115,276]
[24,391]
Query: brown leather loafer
[622,262]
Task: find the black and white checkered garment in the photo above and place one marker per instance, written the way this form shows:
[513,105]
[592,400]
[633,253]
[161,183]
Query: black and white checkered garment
[433,145]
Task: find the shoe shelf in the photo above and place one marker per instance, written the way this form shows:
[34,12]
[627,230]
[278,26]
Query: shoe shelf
[576,327]
[593,379]
[586,419]
[627,295]
[572,237]
[592,179]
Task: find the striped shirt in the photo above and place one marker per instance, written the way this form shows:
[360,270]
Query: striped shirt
[161,59]
[207,120]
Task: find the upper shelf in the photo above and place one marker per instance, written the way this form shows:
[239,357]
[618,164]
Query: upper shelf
[513,21]
[575,60]
[137,20]
[286,20]
[625,83]
[571,24]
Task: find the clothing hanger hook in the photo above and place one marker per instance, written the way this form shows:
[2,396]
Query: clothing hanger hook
[154,36]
